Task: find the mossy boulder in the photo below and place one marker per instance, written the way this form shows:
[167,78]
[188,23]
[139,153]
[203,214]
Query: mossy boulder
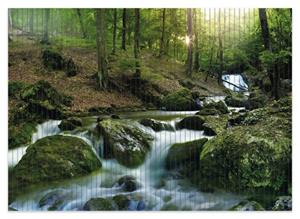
[180,100]
[122,201]
[125,142]
[53,200]
[283,203]
[52,59]
[247,206]
[236,100]
[129,183]
[21,134]
[184,154]
[255,156]
[214,125]
[156,125]
[213,108]
[70,67]
[15,88]
[54,158]
[100,204]
[256,100]
[70,124]
[191,122]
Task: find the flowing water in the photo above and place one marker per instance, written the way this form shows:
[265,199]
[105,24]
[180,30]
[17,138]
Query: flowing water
[235,79]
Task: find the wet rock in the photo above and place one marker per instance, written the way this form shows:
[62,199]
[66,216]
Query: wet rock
[156,125]
[121,201]
[248,206]
[283,203]
[54,158]
[213,108]
[170,207]
[129,183]
[70,124]
[114,116]
[182,154]
[21,134]
[180,100]
[125,142]
[191,122]
[53,200]
[100,204]
[214,125]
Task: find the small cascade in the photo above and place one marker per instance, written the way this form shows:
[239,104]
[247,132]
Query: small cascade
[235,82]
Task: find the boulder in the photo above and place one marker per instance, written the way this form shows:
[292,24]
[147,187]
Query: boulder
[53,200]
[21,134]
[70,124]
[256,100]
[236,100]
[52,59]
[214,125]
[122,201]
[54,158]
[100,204]
[156,125]
[180,100]
[128,183]
[183,154]
[213,108]
[15,88]
[70,67]
[125,142]
[191,122]
[248,206]
[283,203]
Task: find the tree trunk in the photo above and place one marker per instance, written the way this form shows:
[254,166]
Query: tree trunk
[31,21]
[124,20]
[102,74]
[197,52]
[162,48]
[45,39]
[10,25]
[137,42]
[84,35]
[114,32]
[190,43]
[221,53]
[272,71]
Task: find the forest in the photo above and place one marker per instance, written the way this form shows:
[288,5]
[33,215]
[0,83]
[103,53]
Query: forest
[150,109]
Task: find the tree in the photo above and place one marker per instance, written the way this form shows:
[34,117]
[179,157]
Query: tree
[162,49]
[124,20]
[102,75]
[197,52]
[31,21]
[10,25]
[190,41]
[84,34]
[221,53]
[137,42]
[114,31]
[45,39]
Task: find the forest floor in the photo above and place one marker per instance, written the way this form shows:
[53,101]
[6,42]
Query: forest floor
[166,74]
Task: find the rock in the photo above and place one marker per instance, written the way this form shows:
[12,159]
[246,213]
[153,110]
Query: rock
[128,183]
[256,100]
[100,204]
[53,200]
[122,202]
[236,100]
[283,203]
[141,206]
[114,116]
[169,207]
[21,134]
[191,122]
[184,153]
[54,158]
[213,108]
[180,100]
[125,142]
[52,59]
[15,88]
[70,124]
[156,125]
[255,156]
[70,67]
[214,125]
[248,206]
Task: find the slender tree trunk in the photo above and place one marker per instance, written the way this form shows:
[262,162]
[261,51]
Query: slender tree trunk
[197,52]
[162,48]
[137,42]
[114,32]
[190,44]
[83,31]
[124,21]
[102,75]
[31,19]
[221,53]
[10,25]
[272,71]
[45,39]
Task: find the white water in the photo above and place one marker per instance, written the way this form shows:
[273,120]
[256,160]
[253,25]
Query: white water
[75,193]
[236,79]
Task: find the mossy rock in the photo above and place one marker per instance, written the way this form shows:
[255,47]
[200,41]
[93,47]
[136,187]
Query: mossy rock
[122,201]
[213,108]
[215,125]
[126,143]
[283,203]
[100,204]
[129,183]
[52,59]
[236,100]
[70,124]
[247,206]
[20,135]
[170,207]
[191,122]
[180,100]
[54,158]
[181,154]
[156,125]
[15,88]
[256,100]
[53,200]
[70,68]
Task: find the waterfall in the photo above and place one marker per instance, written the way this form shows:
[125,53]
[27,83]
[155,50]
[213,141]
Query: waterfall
[235,79]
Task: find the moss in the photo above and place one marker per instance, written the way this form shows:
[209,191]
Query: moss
[70,124]
[184,153]
[15,88]
[54,158]
[21,134]
[125,142]
[214,125]
[180,100]
[121,201]
[52,59]
[99,204]
[213,108]
[170,207]
[191,122]
[236,100]
[156,125]
[256,100]
[247,206]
